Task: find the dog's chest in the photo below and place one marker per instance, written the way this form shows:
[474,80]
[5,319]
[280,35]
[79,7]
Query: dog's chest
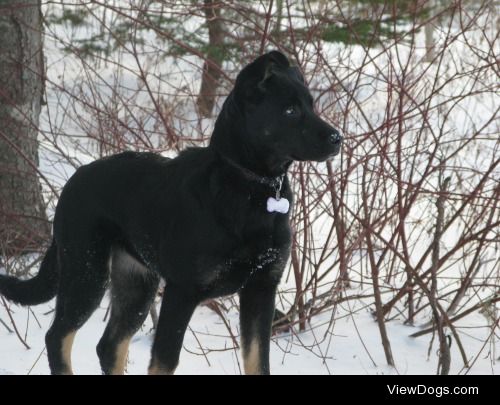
[246,243]
[227,275]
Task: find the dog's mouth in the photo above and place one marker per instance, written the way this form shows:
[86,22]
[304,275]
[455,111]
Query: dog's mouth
[333,154]
[295,158]
[321,158]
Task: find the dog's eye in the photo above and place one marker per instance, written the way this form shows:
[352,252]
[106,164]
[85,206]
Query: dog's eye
[290,111]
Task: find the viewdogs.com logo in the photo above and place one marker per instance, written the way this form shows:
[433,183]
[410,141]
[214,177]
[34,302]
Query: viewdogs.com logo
[438,392]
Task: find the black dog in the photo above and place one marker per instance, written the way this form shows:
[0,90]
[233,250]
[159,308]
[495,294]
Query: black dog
[213,221]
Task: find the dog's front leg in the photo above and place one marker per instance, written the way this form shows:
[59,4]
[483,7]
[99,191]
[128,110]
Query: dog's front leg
[177,308]
[256,317]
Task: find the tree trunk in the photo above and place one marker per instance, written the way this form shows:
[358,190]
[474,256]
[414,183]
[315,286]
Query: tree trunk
[429,35]
[213,63]
[23,222]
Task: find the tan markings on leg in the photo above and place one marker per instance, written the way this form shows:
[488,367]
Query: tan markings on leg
[156,369]
[67,344]
[121,357]
[251,360]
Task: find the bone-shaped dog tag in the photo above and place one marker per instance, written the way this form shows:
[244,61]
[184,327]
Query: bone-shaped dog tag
[281,205]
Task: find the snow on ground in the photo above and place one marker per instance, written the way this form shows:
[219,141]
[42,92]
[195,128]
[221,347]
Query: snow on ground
[349,350]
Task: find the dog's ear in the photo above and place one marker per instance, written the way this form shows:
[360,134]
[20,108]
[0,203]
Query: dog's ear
[272,62]
[275,61]
[298,74]
[252,80]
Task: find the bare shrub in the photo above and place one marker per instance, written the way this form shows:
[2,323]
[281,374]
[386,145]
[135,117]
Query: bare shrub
[406,221]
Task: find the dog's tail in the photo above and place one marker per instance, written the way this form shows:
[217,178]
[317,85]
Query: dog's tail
[40,288]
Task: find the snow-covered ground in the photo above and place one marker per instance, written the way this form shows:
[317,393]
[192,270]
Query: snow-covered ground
[354,348]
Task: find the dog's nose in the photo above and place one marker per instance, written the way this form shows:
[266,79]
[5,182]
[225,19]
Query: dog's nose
[335,137]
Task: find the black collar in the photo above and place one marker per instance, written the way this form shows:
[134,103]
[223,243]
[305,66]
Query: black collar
[274,182]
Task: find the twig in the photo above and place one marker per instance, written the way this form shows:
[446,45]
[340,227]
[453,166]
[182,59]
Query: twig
[6,326]
[444,349]
[14,323]
[459,316]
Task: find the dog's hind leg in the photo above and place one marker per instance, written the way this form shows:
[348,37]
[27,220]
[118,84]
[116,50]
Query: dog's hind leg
[83,280]
[176,310]
[133,288]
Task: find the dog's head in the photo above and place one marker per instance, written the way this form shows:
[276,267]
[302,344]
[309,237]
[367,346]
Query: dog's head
[274,116]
